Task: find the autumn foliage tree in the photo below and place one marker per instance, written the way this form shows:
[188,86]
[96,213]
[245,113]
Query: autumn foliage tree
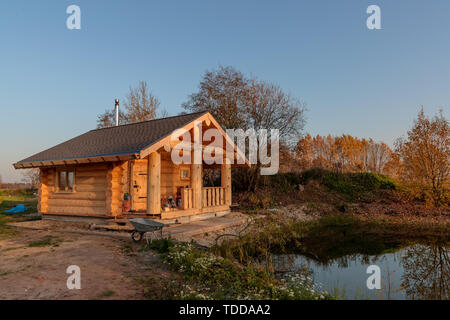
[424,156]
[344,154]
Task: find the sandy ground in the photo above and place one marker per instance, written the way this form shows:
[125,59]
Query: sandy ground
[33,263]
[110,268]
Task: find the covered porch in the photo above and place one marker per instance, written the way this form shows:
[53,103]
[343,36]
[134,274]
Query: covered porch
[168,191]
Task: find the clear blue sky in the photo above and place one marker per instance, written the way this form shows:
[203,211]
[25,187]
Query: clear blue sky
[55,81]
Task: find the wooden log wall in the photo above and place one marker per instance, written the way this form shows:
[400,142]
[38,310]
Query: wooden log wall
[116,186]
[43,191]
[88,198]
[99,188]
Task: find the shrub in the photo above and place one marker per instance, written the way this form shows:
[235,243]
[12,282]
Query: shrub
[160,245]
[350,184]
[353,184]
[284,182]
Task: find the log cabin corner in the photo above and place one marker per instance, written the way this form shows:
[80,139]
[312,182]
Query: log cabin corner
[94,174]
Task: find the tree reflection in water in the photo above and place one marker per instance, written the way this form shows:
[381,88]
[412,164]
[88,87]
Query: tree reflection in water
[426,272]
[416,272]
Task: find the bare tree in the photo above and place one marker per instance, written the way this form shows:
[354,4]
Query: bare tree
[237,101]
[267,106]
[106,119]
[376,156]
[140,105]
[241,102]
[163,113]
[31,177]
[223,93]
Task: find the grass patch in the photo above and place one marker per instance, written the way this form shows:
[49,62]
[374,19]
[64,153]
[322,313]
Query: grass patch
[8,202]
[28,193]
[46,241]
[105,294]
[162,288]
[159,245]
[6,232]
[9,199]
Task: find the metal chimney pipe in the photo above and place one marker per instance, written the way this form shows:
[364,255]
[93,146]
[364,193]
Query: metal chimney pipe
[117,112]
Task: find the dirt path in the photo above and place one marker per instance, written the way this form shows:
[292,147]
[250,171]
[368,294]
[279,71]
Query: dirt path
[33,266]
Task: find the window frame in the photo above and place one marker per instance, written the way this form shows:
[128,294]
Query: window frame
[182,177]
[58,180]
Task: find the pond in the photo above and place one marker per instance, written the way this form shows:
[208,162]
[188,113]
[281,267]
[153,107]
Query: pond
[420,271]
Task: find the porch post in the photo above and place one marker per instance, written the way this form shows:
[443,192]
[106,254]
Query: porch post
[196,167]
[154,183]
[196,184]
[225,177]
[43,192]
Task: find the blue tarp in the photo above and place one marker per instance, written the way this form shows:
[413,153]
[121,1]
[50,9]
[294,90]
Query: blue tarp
[17,209]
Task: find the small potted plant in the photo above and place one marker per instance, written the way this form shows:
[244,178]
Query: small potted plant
[126,205]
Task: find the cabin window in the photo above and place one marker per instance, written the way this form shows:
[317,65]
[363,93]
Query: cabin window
[66,181]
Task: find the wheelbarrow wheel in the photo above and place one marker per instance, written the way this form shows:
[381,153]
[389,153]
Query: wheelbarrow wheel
[136,236]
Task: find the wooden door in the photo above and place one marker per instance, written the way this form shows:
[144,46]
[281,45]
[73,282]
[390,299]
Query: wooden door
[140,191]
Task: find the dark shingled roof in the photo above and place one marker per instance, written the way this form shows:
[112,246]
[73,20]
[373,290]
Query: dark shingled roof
[121,140]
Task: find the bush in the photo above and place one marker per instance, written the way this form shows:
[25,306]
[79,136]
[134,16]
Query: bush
[353,184]
[284,182]
[160,245]
[350,184]
[313,174]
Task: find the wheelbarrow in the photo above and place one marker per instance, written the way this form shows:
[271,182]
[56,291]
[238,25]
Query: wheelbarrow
[145,226]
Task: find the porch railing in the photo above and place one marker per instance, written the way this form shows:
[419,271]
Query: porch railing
[213,196]
[187,198]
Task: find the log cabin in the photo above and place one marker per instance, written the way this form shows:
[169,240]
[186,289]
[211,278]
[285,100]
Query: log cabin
[94,174]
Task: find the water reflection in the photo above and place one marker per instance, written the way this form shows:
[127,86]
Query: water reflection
[415,272]
[426,272]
